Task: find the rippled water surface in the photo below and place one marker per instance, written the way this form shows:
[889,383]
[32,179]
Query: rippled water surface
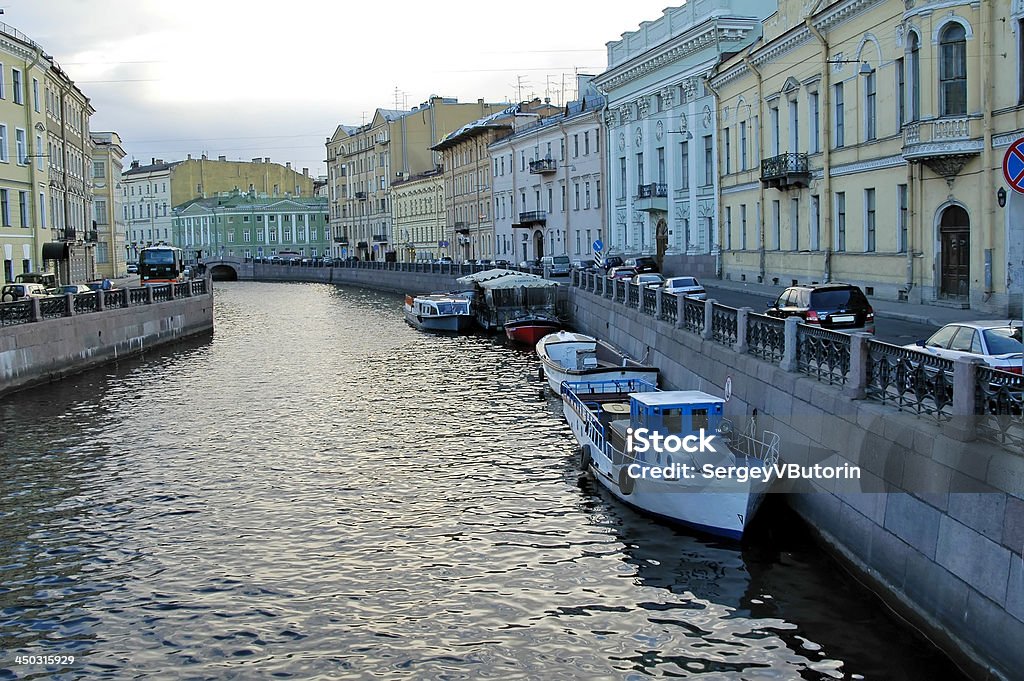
[320,491]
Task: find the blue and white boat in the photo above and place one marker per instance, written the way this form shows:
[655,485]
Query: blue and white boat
[713,483]
[446,312]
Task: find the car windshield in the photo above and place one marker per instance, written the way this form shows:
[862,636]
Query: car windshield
[1003,340]
[684,281]
[157,257]
[830,298]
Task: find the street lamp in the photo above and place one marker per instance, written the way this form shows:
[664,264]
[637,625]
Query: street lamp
[1001,197]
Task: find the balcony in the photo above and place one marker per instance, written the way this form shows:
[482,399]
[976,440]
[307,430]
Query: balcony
[380,238]
[651,198]
[90,236]
[341,240]
[785,171]
[533,217]
[945,145]
[543,166]
[461,227]
[361,196]
[67,234]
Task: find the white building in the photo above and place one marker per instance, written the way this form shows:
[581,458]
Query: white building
[147,205]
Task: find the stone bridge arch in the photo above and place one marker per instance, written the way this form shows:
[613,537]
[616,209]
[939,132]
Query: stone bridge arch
[225,269]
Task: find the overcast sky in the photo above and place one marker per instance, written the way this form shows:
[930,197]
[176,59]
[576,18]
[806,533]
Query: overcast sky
[246,78]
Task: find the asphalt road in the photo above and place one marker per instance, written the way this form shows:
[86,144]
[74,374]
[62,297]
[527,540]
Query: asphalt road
[894,331]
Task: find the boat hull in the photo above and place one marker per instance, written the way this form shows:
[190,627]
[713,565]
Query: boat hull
[530,332]
[606,363]
[456,323]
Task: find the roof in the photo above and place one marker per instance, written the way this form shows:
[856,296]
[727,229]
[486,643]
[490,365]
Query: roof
[151,168]
[989,323]
[517,280]
[477,277]
[488,122]
[670,397]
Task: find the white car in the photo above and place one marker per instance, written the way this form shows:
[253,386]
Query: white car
[648,280]
[997,342]
[687,286]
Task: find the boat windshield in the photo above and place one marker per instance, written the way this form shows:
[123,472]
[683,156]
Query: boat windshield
[452,308]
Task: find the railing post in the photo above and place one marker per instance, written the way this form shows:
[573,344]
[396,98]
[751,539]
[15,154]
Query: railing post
[709,319]
[640,291]
[657,302]
[680,311]
[149,295]
[741,330]
[964,420]
[170,291]
[857,382]
[69,304]
[37,312]
[788,362]
[101,300]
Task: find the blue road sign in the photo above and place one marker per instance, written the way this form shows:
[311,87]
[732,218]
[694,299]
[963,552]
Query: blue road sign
[598,246]
[1013,166]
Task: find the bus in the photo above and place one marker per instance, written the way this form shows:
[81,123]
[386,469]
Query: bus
[161,265]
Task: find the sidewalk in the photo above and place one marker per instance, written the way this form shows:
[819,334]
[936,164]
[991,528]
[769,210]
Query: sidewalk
[935,315]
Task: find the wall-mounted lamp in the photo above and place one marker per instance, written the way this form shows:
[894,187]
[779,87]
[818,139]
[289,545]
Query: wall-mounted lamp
[864,70]
[1001,197]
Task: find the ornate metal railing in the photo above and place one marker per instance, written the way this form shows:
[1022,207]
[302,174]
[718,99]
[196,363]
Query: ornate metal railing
[161,293]
[53,306]
[999,401]
[723,324]
[693,314]
[85,302]
[632,294]
[913,381]
[198,287]
[822,353]
[18,312]
[766,337]
[182,289]
[620,289]
[650,191]
[136,296]
[669,308]
[115,298]
[650,302]
[609,288]
[781,165]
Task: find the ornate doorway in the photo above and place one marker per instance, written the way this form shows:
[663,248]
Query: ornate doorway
[955,247]
[538,244]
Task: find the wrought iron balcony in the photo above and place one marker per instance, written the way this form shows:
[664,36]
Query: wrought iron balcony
[380,238]
[67,234]
[651,197]
[361,196]
[342,240]
[543,166]
[90,236]
[785,171]
[648,191]
[533,217]
[461,227]
[943,144]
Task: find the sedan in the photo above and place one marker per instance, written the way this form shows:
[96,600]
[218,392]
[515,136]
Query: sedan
[649,280]
[621,272]
[687,286]
[997,342]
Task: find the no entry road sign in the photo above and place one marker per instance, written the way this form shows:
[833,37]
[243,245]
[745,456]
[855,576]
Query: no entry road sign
[1013,166]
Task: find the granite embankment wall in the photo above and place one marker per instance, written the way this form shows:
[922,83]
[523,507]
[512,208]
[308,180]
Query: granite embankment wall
[47,350]
[387,280]
[935,525]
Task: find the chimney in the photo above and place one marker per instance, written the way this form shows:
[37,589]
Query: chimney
[288,165]
[204,156]
[189,157]
[159,161]
[257,160]
[266,159]
[305,171]
[222,158]
[135,164]
[152,160]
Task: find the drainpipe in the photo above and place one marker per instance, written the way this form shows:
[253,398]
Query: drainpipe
[826,147]
[568,211]
[718,186]
[760,155]
[989,209]
[37,250]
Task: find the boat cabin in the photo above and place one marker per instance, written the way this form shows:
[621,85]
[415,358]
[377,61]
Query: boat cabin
[573,355]
[676,412]
[434,306]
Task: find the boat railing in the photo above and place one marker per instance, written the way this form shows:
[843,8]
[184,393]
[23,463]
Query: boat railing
[746,443]
[574,392]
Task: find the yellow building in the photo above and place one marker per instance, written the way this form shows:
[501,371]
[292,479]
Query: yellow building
[107,158]
[363,162]
[863,141]
[24,181]
[197,178]
[419,217]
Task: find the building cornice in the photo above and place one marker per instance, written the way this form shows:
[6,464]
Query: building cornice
[882,163]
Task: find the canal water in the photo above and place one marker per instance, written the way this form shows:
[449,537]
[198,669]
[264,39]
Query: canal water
[320,491]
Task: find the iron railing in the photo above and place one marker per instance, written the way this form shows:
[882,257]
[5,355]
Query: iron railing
[669,308]
[913,381]
[632,294]
[85,302]
[137,296]
[999,402]
[723,324]
[693,314]
[18,312]
[115,298]
[766,337]
[53,307]
[650,301]
[161,293]
[823,354]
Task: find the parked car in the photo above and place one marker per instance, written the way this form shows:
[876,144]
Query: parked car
[556,265]
[444,260]
[13,292]
[997,342]
[611,261]
[839,307]
[527,264]
[73,289]
[503,264]
[648,280]
[621,272]
[132,268]
[687,286]
[643,264]
[47,279]
[583,265]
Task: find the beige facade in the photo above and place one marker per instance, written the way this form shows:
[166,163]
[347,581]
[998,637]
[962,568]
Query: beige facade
[110,227]
[196,178]
[863,143]
[420,218]
[363,162]
[24,184]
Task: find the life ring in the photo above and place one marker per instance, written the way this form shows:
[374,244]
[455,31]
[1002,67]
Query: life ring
[585,458]
[626,481]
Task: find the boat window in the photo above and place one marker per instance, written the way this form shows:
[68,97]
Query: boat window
[672,419]
[700,419]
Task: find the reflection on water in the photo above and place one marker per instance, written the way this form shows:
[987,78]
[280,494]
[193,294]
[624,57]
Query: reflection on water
[322,492]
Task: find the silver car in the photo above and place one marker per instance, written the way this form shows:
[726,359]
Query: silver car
[997,342]
[687,286]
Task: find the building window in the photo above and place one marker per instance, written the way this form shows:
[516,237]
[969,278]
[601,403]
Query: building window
[728,228]
[776,228]
[953,71]
[794,126]
[21,145]
[586,195]
[16,85]
[869,220]
[815,235]
[684,164]
[901,217]
[661,165]
[5,208]
[640,168]
[743,145]
[813,125]
[870,111]
[23,208]
[576,195]
[914,76]
[586,143]
[726,150]
[840,116]
[743,227]
[709,161]
[575,146]
[773,122]
[840,221]
[35,94]
[901,94]
[3,141]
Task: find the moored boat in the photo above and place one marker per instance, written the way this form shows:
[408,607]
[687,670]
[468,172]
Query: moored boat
[447,312]
[568,356]
[531,327]
[670,453]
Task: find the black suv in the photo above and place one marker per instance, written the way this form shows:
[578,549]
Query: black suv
[841,307]
[643,264]
[611,261]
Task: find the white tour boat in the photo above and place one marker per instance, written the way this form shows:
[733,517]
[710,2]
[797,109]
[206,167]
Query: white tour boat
[439,312]
[568,356]
[715,489]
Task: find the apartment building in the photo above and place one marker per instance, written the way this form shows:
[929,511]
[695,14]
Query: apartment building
[108,222]
[419,217]
[875,132]
[661,132]
[548,183]
[363,163]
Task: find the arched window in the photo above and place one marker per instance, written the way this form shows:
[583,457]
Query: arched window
[953,71]
[914,76]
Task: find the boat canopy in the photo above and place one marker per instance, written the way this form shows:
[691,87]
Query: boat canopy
[478,277]
[517,280]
